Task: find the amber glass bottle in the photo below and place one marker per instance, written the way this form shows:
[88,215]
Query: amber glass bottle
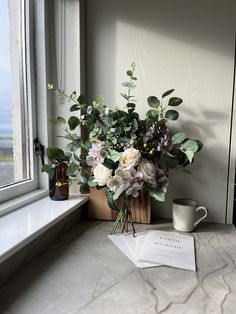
[59,183]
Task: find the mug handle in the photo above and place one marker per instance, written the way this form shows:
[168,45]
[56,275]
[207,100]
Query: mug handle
[204,216]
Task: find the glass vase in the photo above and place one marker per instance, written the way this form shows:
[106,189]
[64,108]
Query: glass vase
[59,182]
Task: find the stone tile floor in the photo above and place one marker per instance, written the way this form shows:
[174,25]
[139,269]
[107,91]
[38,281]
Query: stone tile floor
[84,272]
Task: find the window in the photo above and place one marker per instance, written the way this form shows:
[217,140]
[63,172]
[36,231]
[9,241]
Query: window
[18,168]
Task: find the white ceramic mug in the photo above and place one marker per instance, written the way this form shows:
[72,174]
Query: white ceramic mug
[184,214]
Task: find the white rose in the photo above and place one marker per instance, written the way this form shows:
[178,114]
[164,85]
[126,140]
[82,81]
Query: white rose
[130,157]
[148,171]
[102,174]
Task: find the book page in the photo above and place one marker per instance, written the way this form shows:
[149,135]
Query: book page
[131,242]
[169,248]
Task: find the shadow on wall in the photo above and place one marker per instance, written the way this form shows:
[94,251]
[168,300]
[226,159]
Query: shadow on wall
[207,27]
[185,21]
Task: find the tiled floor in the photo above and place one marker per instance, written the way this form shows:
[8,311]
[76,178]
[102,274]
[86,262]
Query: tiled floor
[85,273]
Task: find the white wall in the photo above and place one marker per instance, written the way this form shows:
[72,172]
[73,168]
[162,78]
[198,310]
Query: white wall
[187,45]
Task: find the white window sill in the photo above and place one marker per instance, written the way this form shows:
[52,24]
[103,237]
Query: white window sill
[21,201]
[23,225]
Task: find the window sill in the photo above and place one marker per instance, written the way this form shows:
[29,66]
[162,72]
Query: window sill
[22,226]
[18,202]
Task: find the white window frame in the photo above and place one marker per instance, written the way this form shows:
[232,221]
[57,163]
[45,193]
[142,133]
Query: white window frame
[40,74]
[16,189]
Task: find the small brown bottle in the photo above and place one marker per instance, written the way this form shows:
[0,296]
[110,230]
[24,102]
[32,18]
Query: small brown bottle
[59,182]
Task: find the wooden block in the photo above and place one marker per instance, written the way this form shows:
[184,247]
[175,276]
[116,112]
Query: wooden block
[99,209]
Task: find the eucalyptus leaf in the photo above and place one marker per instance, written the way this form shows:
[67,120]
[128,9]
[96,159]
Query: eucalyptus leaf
[55,154]
[47,168]
[129,73]
[84,188]
[178,138]
[131,105]
[152,114]
[199,144]
[72,147]
[82,100]
[135,124]
[125,96]
[189,145]
[109,163]
[189,154]
[74,107]
[110,200]
[175,101]
[81,178]
[167,93]
[114,155]
[73,122]
[58,121]
[72,169]
[157,195]
[153,102]
[171,115]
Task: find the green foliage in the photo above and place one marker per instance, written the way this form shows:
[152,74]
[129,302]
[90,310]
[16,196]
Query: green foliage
[172,115]
[175,101]
[167,93]
[178,138]
[157,195]
[109,163]
[73,122]
[110,200]
[55,154]
[153,102]
[119,129]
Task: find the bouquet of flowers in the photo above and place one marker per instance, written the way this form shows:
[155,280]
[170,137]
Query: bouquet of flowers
[123,153]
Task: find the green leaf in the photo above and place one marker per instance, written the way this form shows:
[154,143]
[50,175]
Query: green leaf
[55,154]
[189,145]
[189,154]
[129,73]
[92,184]
[72,147]
[153,102]
[81,178]
[72,169]
[114,155]
[135,124]
[167,93]
[131,105]
[125,96]
[110,164]
[81,100]
[199,144]
[175,101]
[68,156]
[73,122]
[110,200]
[47,168]
[134,78]
[58,121]
[157,195]
[171,115]
[84,188]
[74,108]
[178,138]
[152,114]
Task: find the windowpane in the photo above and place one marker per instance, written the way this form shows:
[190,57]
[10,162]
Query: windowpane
[14,119]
